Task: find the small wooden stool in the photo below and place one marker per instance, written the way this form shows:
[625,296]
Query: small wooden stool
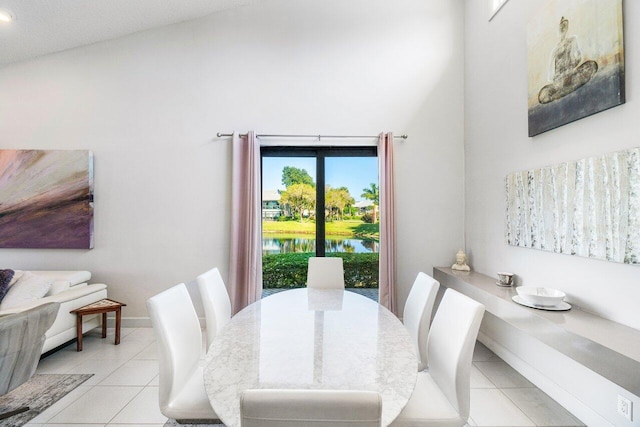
[103,307]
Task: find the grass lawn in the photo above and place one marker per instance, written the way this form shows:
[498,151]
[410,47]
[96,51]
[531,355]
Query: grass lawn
[355,228]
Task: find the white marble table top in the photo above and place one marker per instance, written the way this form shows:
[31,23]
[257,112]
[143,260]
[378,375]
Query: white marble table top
[311,339]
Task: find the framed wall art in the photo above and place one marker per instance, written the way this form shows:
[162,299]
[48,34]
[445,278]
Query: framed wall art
[588,207]
[46,199]
[575,61]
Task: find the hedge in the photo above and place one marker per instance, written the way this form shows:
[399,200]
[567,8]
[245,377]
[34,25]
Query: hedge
[290,270]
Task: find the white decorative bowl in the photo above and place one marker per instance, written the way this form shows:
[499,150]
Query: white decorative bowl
[543,297]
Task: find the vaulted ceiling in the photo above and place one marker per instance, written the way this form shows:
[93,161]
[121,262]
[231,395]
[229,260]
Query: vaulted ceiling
[41,27]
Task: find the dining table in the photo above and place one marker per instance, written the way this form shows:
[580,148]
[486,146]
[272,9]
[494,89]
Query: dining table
[311,339]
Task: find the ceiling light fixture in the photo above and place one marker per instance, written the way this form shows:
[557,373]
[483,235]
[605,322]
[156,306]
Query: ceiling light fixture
[5,16]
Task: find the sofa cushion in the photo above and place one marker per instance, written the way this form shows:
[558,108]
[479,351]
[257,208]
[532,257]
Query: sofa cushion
[17,274]
[30,287]
[57,287]
[71,277]
[6,276]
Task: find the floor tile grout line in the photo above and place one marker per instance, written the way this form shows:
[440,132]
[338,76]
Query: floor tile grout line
[125,385]
[489,379]
[146,344]
[520,409]
[532,387]
[134,396]
[126,404]
[523,411]
[91,387]
[502,388]
[66,406]
[516,403]
[511,367]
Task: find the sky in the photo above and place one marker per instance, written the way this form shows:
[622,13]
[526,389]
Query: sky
[355,173]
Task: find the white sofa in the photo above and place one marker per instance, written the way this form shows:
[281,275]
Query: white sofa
[71,290]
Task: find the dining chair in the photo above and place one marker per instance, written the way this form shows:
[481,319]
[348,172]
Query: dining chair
[417,313]
[441,395]
[317,408]
[175,323]
[216,302]
[325,273]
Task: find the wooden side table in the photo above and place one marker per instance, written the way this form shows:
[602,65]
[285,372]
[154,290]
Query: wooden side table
[103,307]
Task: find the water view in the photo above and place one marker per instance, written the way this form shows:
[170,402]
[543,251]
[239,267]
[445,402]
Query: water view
[300,244]
[348,207]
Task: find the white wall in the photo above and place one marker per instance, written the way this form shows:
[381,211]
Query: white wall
[150,104]
[496,144]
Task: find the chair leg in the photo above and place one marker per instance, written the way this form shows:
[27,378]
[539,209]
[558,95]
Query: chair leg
[14,412]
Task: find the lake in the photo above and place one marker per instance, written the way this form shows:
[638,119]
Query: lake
[282,244]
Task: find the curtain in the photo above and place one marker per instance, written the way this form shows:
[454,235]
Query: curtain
[387,280]
[245,261]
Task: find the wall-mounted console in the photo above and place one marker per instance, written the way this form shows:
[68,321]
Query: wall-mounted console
[581,360]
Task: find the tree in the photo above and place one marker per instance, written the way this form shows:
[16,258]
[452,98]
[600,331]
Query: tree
[372,193]
[331,201]
[292,175]
[336,199]
[299,197]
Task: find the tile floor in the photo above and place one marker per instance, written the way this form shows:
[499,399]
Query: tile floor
[124,388]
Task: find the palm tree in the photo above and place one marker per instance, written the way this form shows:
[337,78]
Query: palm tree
[372,193]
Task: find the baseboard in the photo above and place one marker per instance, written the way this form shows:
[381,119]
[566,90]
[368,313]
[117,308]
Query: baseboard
[139,322]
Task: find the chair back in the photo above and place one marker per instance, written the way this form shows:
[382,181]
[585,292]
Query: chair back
[417,313]
[450,347]
[317,408]
[179,339]
[22,337]
[325,273]
[216,302]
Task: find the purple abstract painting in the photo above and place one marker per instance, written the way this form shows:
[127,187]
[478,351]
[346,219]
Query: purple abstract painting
[46,199]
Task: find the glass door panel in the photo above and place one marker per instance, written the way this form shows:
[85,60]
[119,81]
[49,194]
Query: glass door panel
[288,220]
[319,201]
[351,218]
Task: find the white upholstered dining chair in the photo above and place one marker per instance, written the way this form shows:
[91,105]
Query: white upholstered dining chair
[441,396]
[417,313]
[316,408]
[216,302]
[177,330]
[325,273]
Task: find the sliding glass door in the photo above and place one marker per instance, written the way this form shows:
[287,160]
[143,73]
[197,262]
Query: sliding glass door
[319,201]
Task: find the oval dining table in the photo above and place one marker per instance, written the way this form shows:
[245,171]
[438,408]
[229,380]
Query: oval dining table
[311,339]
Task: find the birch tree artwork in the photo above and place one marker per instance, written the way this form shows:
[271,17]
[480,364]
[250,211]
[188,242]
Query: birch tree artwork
[589,207]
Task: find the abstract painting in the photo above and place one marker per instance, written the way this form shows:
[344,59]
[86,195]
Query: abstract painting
[589,207]
[575,61]
[46,199]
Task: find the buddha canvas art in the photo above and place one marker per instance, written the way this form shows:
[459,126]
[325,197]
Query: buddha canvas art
[575,62]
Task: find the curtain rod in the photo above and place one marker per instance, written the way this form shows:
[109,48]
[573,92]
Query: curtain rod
[220,135]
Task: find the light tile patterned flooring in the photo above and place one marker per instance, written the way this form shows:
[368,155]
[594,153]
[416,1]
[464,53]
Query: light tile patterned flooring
[124,389]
